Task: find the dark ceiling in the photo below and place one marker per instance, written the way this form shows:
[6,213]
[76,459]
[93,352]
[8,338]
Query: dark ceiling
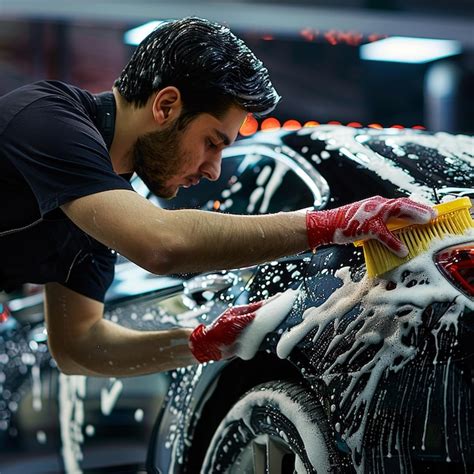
[446,19]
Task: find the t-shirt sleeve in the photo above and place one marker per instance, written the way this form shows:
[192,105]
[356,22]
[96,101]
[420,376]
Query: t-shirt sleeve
[93,273]
[60,153]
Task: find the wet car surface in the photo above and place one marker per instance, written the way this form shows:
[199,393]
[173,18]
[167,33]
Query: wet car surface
[359,375]
[378,371]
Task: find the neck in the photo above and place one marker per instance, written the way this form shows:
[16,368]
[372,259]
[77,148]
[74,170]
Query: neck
[130,123]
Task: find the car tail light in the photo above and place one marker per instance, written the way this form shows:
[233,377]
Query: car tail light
[457,264]
[4,313]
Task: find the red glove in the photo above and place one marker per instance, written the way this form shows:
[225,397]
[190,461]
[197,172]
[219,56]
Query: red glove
[365,220]
[216,340]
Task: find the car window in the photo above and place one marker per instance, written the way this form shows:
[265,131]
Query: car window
[254,180]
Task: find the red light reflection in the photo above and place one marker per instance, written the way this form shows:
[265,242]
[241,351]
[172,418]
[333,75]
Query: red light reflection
[308,34]
[249,127]
[292,125]
[270,123]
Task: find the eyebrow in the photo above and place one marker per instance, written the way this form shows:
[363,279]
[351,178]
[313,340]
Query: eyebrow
[222,136]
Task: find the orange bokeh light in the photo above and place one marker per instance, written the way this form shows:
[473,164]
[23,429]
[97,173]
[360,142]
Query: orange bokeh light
[292,125]
[354,124]
[249,127]
[334,122]
[375,125]
[311,123]
[270,123]
[398,126]
[216,205]
[308,34]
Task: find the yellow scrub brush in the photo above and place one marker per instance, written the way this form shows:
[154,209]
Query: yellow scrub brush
[453,218]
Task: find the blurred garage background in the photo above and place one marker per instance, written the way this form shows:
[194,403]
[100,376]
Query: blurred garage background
[315,49]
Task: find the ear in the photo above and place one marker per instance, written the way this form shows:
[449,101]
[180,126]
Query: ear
[167,105]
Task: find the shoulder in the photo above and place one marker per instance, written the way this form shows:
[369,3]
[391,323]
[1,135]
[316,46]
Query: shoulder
[45,103]
[50,115]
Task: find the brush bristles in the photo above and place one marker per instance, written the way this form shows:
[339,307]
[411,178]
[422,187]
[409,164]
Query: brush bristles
[418,238]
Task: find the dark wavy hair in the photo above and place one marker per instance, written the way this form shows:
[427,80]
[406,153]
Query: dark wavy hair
[211,67]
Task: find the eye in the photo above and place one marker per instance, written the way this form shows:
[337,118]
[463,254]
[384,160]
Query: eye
[211,144]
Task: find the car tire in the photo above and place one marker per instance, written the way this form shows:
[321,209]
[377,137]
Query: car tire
[277,427]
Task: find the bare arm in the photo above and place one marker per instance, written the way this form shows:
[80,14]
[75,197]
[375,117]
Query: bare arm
[83,343]
[182,241]
[164,241]
[161,241]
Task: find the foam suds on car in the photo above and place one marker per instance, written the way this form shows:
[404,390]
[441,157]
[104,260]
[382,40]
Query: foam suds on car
[387,315]
[267,319]
[72,391]
[350,141]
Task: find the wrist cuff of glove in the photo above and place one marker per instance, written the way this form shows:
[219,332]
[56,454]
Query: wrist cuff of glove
[318,229]
[201,349]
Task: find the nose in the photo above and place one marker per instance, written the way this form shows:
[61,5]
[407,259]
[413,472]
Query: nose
[211,168]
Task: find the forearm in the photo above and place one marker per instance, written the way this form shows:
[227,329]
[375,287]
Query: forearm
[163,241]
[111,350]
[204,241]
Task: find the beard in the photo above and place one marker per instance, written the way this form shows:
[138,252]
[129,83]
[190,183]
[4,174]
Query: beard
[158,157]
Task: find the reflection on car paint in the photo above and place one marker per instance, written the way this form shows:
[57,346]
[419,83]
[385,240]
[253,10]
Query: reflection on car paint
[271,177]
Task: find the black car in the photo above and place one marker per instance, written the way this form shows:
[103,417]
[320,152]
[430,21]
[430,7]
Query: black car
[360,375]
[365,375]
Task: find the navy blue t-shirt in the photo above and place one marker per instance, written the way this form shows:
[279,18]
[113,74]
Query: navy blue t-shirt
[52,152]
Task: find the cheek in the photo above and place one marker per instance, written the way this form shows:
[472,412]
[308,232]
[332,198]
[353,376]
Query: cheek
[191,157]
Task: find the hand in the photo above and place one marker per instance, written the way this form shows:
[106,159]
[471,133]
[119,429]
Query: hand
[216,341]
[365,220]
[239,331]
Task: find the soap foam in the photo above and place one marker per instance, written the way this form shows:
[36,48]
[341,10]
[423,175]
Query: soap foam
[385,316]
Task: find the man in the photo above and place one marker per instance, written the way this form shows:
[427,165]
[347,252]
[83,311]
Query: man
[66,158]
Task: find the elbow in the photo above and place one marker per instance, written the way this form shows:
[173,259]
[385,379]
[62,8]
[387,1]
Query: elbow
[64,362]
[159,266]
[67,366]
[163,252]
[67,369]
[167,262]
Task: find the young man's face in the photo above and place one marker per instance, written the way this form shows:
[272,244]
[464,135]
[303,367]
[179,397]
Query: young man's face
[169,159]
